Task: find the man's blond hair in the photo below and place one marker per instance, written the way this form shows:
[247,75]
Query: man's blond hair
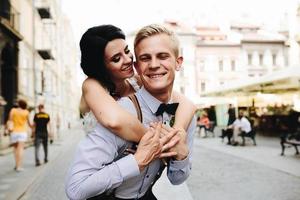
[155,29]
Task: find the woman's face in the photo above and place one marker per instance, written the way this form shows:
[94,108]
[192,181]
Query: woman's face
[118,60]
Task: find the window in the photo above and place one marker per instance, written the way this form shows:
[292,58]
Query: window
[249,59]
[274,59]
[201,66]
[221,67]
[202,86]
[261,59]
[43,82]
[232,65]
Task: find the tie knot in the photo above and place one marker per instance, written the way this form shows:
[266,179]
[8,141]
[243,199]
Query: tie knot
[168,108]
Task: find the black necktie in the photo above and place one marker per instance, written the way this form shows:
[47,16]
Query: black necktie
[168,108]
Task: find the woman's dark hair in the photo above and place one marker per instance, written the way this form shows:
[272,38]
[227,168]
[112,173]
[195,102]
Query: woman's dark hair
[92,46]
[22,104]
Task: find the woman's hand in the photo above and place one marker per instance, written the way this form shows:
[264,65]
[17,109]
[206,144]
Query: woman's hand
[153,145]
[181,148]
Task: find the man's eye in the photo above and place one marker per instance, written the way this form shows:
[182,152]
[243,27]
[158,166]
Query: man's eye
[163,56]
[144,59]
[115,59]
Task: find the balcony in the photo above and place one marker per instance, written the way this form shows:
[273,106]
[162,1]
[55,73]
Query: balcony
[44,9]
[10,20]
[44,13]
[46,54]
[45,41]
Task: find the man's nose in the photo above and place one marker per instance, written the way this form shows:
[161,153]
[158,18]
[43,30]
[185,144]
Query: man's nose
[154,63]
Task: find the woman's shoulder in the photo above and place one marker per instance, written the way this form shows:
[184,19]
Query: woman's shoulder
[92,85]
[25,111]
[89,82]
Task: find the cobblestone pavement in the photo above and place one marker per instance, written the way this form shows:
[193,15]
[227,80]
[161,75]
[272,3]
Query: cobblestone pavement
[223,172]
[50,184]
[15,185]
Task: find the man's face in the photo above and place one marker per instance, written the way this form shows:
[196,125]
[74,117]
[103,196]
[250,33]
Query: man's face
[240,115]
[156,63]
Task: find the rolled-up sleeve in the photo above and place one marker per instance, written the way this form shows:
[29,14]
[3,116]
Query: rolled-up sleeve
[179,170]
[94,170]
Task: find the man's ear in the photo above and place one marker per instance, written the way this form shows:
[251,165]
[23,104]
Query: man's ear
[179,62]
[136,66]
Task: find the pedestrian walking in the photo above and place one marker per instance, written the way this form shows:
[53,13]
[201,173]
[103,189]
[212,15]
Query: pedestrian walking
[41,123]
[18,120]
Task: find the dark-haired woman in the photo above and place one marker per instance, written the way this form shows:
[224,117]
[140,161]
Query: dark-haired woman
[19,117]
[108,63]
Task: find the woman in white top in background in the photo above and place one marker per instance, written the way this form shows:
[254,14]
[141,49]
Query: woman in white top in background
[108,63]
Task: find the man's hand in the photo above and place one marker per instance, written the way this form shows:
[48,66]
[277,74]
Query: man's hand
[33,134]
[181,148]
[152,145]
[51,136]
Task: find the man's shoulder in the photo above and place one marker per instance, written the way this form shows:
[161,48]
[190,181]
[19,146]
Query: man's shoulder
[245,119]
[42,115]
[193,124]
[237,120]
[126,103]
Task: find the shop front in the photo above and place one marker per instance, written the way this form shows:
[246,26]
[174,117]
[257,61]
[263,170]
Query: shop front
[272,101]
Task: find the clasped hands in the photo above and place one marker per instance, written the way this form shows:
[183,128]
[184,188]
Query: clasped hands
[161,141]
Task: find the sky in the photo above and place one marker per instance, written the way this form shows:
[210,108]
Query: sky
[131,15]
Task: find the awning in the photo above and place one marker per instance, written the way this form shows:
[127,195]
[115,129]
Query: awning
[281,81]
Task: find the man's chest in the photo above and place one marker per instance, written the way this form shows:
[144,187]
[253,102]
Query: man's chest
[149,117]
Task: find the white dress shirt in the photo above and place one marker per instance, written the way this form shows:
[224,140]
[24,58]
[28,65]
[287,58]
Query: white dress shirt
[96,167]
[243,124]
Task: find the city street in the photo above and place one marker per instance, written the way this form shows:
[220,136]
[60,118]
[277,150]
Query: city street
[220,172]
[223,172]
[238,62]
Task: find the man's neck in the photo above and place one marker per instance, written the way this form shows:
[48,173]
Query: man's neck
[163,96]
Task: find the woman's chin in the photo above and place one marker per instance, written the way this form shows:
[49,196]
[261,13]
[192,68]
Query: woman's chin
[130,74]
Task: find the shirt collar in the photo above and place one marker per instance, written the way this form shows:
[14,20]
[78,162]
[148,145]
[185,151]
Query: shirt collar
[149,100]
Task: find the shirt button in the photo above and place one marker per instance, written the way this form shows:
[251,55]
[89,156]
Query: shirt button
[165,122]
[147,176]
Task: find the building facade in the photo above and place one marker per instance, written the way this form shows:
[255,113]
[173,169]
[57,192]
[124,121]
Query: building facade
[44,60]
[10,35]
